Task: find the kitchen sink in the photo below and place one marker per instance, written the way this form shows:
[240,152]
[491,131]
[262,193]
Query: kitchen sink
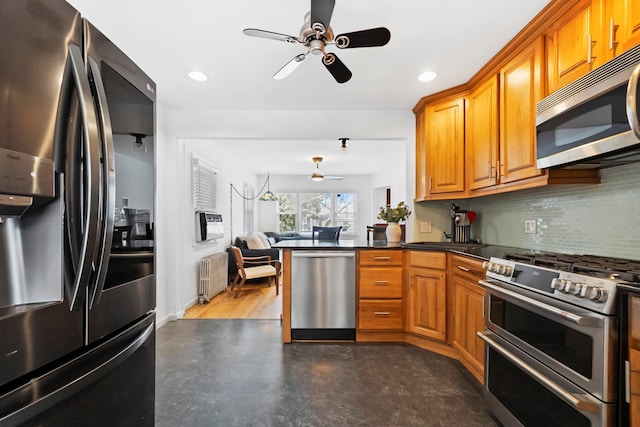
[443,245]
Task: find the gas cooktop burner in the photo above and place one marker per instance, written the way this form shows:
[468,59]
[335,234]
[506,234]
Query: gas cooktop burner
[591,265]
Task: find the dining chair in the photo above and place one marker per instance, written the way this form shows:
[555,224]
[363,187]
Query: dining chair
[326,233]
[254,268]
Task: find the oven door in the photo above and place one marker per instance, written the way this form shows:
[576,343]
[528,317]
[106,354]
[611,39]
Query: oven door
[578,344]
[521,391]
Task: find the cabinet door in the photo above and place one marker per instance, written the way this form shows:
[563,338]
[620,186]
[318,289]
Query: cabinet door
[427,303]
[481,135]
[624,24]
[421,157]
[469,320]
[574,44]
[520,89]
[445,147]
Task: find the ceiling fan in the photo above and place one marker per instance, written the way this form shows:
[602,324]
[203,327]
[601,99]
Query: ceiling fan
[316,34]
[317,174]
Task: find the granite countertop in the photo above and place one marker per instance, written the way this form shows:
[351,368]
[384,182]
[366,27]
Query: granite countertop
[339,245]
[481,251]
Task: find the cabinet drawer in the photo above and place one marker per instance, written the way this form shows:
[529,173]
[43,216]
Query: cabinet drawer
[467,267]
[380,314]
[425,259]
[384,282]
[381,257]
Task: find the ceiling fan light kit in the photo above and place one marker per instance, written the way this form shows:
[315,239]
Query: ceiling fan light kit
[316,34]
[318,175]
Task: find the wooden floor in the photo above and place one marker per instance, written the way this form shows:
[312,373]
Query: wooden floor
[255,301]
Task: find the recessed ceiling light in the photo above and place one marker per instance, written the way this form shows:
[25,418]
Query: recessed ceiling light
[198,76]
[427,76]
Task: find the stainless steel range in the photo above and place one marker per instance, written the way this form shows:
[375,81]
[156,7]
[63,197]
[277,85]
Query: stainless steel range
[552,338]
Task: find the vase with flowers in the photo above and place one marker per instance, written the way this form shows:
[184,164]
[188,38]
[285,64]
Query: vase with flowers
[393,216]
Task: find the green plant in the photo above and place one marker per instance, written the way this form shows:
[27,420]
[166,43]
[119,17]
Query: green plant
[397,214]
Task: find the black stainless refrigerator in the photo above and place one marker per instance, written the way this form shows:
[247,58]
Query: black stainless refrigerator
[77,251]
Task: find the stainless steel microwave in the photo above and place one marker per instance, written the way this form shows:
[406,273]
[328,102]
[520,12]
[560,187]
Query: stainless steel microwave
[593,122]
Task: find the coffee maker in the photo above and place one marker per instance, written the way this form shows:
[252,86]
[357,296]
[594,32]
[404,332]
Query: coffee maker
[460,225]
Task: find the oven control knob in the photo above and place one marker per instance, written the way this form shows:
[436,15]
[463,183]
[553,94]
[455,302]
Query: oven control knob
[557,284]
[503,270]
[489,266]
[573,287]
[594,293]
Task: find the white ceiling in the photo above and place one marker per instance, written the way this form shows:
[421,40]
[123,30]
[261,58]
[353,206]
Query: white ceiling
[170,38]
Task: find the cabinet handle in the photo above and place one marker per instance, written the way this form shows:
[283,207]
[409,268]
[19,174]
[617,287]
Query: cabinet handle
[430,183]
[381,313]
[499,169]
[381,282]
[589,58]
[484,297]
[381,258]
[612,31]
[463,268]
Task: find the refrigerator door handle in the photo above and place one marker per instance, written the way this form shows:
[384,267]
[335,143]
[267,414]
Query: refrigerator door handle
[83,267]
[108,186]
[23,403]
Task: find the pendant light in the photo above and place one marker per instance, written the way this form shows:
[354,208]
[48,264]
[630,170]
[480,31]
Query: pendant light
[268,196]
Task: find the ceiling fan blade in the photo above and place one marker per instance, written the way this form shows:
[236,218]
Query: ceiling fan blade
[338,70]
[365,38]
[289,67]
[254,32]
[321,11]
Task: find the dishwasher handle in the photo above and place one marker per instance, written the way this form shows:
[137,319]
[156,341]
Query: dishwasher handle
[332,254]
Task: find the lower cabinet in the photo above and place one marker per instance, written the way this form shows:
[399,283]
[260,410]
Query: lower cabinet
[634,360]
[380,314]
[440,308]
[427,296]
[468,313]
[380,290]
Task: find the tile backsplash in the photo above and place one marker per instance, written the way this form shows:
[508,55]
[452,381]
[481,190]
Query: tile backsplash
[600,219]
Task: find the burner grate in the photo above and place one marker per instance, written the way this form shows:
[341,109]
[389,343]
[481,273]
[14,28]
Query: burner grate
[593,265]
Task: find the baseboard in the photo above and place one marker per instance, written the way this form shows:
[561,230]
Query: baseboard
[169,318]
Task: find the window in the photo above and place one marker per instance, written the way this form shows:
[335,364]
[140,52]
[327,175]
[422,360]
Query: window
[286,212]
[300,212]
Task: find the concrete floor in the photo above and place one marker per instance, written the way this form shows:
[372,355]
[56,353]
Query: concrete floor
[238,373]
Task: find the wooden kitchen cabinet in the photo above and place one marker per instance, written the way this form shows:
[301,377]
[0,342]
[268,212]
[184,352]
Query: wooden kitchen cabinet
[380,286]
[468,312]
[621,25]
[444,147]
[481,135]
[575,44]
[634,360]
[427,296]
[421,157]
[521,87]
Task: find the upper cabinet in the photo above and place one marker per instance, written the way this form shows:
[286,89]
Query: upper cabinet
[480,138]
[444,146]
[421,157]
[621,24]
[574,44]
[482,135]
[521,88]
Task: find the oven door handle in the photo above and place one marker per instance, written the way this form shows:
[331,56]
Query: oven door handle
[575,318]
[570,398]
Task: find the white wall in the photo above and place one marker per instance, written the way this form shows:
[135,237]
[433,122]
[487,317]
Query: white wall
[183,132]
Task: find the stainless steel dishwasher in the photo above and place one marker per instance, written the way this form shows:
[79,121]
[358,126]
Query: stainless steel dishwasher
[323,295]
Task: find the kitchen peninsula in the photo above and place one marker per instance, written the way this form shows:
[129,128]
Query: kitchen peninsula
[320,286]
[423,293]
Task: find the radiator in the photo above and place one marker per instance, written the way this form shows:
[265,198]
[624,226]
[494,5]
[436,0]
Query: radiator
[213,276]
